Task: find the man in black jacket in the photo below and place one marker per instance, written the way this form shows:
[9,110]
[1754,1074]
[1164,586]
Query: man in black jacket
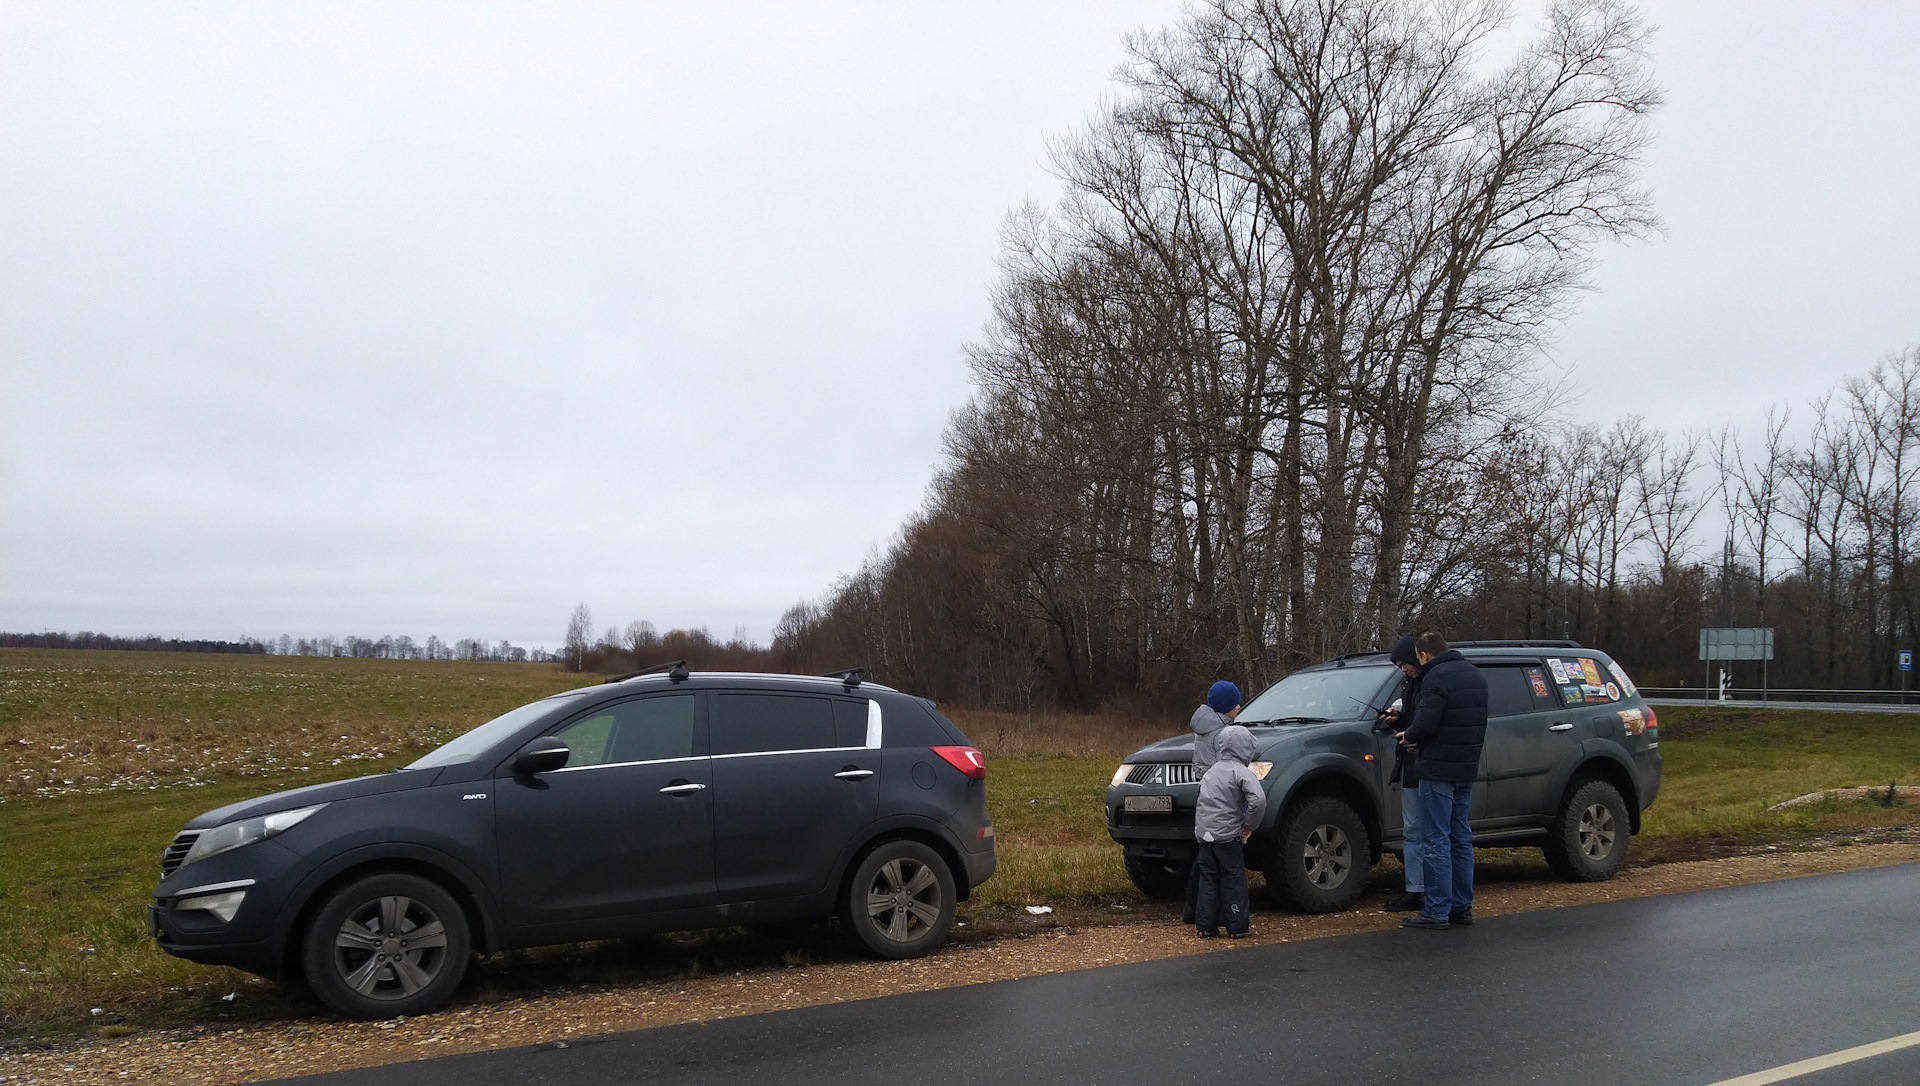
[1413,835]
[1449,726]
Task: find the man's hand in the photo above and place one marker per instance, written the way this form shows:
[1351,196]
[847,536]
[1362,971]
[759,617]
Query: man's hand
[1245,836]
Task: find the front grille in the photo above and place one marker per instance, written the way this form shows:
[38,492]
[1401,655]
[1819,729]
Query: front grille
[1182,773]
[1167,773]
[176,852]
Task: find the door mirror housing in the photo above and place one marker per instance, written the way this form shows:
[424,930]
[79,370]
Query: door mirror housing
[543,755]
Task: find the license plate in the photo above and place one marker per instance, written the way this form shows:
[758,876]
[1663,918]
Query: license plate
[1148,804]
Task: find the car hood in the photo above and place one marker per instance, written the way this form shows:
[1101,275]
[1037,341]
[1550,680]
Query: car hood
[331,792]
[1272,743]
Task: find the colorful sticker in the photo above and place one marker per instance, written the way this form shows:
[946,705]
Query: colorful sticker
[1633,720]
[1626,684]
[1588,669]
[1539,682]
[1593,693]
[1571,694]
[1559,672]
[1613,692]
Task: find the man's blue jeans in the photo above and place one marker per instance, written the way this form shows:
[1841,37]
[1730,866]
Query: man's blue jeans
[1413,839]
[1449,856]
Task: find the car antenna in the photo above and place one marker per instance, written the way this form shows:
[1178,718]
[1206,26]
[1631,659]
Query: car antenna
[849,678]
[676,672]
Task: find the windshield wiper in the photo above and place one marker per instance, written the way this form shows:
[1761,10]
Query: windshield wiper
[1300,720]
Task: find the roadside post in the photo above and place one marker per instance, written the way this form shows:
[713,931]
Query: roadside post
[1728,644]
[1906,665]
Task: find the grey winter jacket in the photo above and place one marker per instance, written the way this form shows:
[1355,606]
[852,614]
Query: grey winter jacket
[1206,725]
[1231,798]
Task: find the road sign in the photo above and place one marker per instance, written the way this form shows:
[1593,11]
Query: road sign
[1906,659]
[1743,643]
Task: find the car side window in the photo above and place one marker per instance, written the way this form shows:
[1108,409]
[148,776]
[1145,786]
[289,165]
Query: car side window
[849,723]
[1507,693]
[644,730]
[761,723]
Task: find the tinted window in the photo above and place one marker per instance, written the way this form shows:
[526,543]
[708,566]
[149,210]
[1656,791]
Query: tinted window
[1507,693]
[751,723]
[647,730]
[850,723]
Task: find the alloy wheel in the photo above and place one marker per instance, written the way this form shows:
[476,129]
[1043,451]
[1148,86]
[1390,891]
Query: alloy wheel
[1597,831]
[904,899]
[1328,856]
[390,948]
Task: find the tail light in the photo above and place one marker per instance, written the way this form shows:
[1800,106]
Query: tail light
[1653,722]
[967,760]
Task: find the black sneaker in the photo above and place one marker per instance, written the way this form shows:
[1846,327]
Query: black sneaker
[1422,920]
[1461,917]
[1405,903]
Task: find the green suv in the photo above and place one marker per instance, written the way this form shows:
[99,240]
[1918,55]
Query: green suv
[1572,758]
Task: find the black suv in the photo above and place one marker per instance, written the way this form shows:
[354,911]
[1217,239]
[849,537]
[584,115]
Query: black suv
[659,803]
[1572,757]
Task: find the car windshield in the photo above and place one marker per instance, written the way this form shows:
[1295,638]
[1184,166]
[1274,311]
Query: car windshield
[470,745]
[1335,693]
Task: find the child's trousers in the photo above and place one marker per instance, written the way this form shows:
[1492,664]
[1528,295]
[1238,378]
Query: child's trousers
[1222,899]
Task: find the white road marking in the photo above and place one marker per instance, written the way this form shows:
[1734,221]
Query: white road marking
[1821,1063]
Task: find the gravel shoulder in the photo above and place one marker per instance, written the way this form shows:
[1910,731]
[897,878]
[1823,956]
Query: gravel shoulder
[206,1056]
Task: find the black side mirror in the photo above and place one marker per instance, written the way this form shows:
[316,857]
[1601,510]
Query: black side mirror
[543,755]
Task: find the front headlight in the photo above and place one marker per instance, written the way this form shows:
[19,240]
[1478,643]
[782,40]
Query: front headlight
[245,832]
[1120,775]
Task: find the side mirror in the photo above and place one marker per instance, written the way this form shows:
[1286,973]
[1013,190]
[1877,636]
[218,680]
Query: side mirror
[543,755]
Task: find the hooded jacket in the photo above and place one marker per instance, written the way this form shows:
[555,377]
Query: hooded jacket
[1450,725]
[1206,725]
[1231,798]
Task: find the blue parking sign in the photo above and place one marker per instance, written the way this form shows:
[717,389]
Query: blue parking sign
[1906,659]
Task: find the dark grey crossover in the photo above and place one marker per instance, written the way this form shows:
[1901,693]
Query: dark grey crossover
[1572,757]
[662,802]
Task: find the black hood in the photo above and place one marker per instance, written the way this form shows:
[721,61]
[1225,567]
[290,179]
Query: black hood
[331,792]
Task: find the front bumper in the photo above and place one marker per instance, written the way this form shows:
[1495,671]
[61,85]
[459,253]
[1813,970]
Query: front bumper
[265,871]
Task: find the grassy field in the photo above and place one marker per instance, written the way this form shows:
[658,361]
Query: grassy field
[104,755]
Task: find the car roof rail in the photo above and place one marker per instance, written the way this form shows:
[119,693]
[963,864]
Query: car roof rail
[849,677]
[1523,643]
[676,672]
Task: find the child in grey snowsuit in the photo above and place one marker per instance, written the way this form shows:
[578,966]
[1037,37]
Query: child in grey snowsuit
[1231,803]
[1222,705]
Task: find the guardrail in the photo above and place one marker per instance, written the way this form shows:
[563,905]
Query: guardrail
[1754,693]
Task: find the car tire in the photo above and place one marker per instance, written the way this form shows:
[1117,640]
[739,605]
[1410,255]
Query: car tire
[1588,839]
[387,945]
[900,900]
[1157,880]
[1318,863]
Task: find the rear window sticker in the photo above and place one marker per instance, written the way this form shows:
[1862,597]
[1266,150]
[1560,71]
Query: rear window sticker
[1613,692]
[1626,684]
[1539,682]
[1571,695]
[1559,672]
[1588,669]
[1593,693]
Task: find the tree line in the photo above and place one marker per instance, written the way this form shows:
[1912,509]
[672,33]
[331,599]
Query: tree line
[1263,389]
[640,645]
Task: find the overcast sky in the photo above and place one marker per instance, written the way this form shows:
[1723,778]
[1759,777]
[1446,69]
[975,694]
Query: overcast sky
[333,319]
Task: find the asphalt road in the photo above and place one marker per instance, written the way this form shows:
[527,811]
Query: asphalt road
[1689,990]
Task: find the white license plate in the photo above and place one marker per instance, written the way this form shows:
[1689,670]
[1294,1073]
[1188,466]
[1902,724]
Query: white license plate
[1148,804]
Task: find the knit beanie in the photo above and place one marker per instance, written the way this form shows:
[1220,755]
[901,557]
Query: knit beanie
[1223,696]
[1403,652]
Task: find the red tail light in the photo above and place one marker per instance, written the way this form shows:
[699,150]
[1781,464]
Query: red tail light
[967,760]
[1653,722]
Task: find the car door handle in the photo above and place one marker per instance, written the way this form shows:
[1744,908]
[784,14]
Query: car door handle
[682,789]
[1561,728]
[854,774]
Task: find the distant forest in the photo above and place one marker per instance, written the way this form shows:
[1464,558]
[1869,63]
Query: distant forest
[1265,387]
[365,648]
